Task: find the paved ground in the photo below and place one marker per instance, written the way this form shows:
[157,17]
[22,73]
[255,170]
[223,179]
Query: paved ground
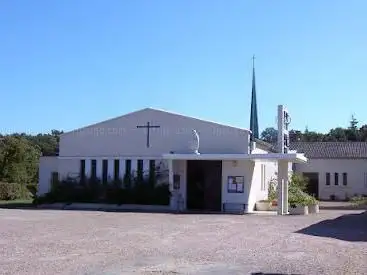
[77,242]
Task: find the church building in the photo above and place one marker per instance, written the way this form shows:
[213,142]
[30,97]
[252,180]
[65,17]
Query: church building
[210,166]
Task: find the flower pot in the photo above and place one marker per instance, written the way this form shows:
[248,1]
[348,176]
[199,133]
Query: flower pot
[313,209]
[263,205]
[298,210]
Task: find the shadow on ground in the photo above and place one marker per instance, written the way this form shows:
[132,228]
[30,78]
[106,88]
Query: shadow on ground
[31,206]
[349,227]
[260,273]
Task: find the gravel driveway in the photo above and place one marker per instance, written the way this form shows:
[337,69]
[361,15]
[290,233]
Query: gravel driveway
[78,242]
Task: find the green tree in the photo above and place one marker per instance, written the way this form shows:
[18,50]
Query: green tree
[270,135]
[18,160]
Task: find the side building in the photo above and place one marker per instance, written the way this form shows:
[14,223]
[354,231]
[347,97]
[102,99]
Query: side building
[336,170]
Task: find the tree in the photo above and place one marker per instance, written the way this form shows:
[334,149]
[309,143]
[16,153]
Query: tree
[18,160]
[337,134]
[295,135]
[270,135]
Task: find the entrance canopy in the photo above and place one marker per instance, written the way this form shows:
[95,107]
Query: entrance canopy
[292,157]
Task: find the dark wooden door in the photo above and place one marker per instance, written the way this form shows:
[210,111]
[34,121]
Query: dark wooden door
[213,185]
[204,185]
[313,184]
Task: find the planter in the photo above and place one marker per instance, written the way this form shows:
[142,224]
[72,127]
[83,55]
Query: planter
[298,210]
[263,205]
[313,209]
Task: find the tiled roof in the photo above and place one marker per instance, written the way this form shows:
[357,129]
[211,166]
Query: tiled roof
[331,149]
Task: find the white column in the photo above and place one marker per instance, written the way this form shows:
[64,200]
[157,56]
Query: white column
[170,182]
[282,187]
[111,169]
[122,168]
[88,168]
[285,197]
[99,168]
[146,167]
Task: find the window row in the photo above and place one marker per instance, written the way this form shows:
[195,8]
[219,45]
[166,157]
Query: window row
[336,178]
[118,170]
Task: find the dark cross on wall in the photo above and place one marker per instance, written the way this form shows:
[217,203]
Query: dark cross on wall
[148,127]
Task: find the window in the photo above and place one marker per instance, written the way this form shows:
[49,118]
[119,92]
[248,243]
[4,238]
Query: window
[336,179]
[140,170]
[82,171]
[116,174]
[236,184]
[345,179]
[93,169]
[327,178]
[104,171]
[263,173]
[54,179]
[128,166]
[127,176]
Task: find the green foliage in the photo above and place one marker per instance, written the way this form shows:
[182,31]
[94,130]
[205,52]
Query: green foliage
[296,193]
[272,190]
[350,133]
[18,160]
[298,181]
[13,191]
[92,191]
[359,200]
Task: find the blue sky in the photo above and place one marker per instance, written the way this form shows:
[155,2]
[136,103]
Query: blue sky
[67,64]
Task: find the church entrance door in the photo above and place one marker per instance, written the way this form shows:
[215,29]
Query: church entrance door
[204,185]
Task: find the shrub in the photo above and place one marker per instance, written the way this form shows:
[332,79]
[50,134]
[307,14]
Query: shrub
[359,200]
[13,191]
[92,191]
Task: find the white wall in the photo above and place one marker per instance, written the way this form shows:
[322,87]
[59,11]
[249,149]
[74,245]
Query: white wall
[47,165]
[120,137]
[355,168]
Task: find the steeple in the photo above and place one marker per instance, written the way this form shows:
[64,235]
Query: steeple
[254,124]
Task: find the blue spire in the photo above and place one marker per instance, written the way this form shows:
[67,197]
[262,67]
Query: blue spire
[254,124]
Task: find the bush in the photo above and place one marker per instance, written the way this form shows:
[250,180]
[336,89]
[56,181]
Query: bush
[13,191]
[92,191]
[359,200]
[296,193]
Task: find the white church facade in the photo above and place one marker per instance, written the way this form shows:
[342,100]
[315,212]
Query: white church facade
[232,170]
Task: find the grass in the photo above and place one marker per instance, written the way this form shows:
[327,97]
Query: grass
[16,203]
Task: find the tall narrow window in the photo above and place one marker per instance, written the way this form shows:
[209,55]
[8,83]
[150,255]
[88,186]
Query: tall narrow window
[327,178]
[140,170]
[128,166]
[105,171]
[336,179]
[82,171]
[345,179]
[152,175]
[116,174]
[94,169]
[54,179]
[127,176]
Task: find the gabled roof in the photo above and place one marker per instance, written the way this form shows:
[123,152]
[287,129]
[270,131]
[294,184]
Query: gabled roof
[155,110]
[331,150]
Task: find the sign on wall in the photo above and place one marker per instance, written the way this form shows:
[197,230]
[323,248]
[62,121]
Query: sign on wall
[235,184]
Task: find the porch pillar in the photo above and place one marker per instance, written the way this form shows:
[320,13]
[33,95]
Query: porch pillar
[282,187]
[170,182]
